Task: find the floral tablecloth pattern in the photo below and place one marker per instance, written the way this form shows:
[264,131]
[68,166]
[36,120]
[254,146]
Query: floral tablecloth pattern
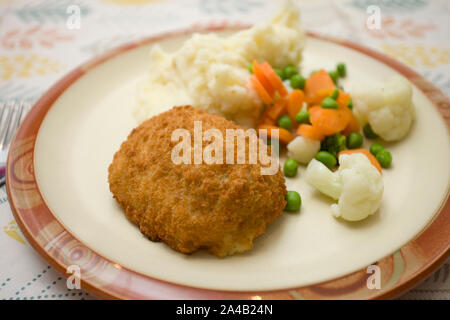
[39,44]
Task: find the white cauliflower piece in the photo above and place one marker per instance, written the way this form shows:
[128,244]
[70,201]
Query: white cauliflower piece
[357,185]
[389,110]
[303,149]
[323,179]
[362,188]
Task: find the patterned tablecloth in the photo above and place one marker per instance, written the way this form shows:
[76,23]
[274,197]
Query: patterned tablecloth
[40,41]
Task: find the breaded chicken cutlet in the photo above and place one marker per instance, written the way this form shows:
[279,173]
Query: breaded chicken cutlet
[218,207]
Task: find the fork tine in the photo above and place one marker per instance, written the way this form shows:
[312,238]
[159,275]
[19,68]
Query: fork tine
[15,123]
[2,110]
[3,106]
[7,124]
[26,108]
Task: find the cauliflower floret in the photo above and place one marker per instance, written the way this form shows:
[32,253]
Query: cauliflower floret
[357,184]
[388,110]
[362,188]
[303,149]
[323,179]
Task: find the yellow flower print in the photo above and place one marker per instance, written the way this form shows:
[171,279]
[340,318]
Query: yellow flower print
[25,66]
[12,230]
[418,55]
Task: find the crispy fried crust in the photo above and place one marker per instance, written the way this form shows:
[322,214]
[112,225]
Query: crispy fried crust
[219,207]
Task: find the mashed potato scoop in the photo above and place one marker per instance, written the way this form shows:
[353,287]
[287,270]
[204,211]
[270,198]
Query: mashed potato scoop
[211,71]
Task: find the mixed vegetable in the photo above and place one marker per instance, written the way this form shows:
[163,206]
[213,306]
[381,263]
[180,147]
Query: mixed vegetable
[315,119]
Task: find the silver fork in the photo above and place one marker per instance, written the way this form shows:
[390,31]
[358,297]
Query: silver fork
[11,115]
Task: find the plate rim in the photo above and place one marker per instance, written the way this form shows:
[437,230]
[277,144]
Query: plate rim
[405,267]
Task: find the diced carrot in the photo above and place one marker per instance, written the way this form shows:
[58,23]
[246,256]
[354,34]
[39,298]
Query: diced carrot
[263,94]
[277,109]
[318,85]
[259,73]
[309,131]
[329,121]
[265,117]
[274,79]
[314,109]
[320,95]
[283,135]
[342,99]
[365,152]
[266,120]
[295,103]
[353,124]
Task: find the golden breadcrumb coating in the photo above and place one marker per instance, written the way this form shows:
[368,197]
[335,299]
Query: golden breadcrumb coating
[218,207]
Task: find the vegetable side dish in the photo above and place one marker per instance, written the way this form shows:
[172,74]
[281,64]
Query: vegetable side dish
[320,125]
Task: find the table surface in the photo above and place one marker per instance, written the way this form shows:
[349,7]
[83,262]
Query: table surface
[38,45]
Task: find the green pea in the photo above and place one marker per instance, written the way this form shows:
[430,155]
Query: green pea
[335,94]
[326,158]
[340,142]
[350,104]
[289,71]
[384,157]
[334,76]
[290,168]
[329,103]
[298,82]
[250,67]
[368,132]
[293,201]
[375,148]
[334,144]
[302,117]
[341,69]
[354,140]
[280,73]
[285,122]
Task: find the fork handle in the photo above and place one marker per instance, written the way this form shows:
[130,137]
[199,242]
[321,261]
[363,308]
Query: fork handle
[2,176]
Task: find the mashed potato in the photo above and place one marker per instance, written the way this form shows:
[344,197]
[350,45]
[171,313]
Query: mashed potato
[211,72]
